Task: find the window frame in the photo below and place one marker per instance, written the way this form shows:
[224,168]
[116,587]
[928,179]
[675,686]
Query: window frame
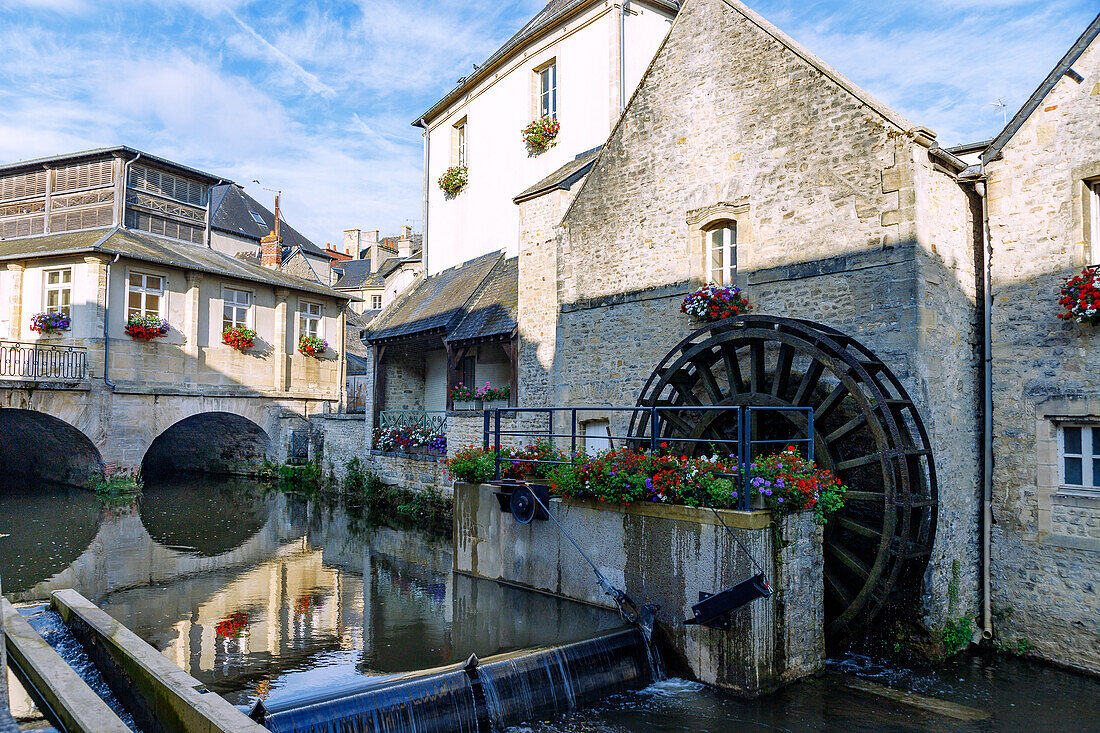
[376,302]
[145,291]
[1092,193]
[728,247]
[546,90]
[461,143]
[60,287]
[1089,456]
[304,315]
[250,309]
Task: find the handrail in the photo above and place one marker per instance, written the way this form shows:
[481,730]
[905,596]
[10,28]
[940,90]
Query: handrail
[649,436]
[39,361]
[434,420]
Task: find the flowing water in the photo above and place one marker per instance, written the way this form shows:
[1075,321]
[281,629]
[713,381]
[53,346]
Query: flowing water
[268,597]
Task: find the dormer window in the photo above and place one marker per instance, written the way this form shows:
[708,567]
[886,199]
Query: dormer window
[548,90]
[258,219]
[722,253]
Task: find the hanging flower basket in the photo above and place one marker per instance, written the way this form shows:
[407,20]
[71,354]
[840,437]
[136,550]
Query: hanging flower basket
[1081,297]
[239,337]
[713,303]
[146,328]
[312,346]
[540,134]
[454,179]
[49,323]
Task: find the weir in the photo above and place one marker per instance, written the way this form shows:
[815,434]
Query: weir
[474,697]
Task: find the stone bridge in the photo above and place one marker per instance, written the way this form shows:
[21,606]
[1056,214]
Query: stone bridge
[65,433]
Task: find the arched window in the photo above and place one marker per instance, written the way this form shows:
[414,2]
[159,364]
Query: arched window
[721,253]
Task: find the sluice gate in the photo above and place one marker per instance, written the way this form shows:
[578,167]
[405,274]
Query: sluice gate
[475,697]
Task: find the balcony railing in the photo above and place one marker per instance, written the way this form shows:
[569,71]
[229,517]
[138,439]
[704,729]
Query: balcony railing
[42,362]
[434,421]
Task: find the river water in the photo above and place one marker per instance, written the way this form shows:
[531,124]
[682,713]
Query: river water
[260,594]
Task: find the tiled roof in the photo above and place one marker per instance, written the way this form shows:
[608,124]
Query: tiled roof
[563,178]
[494,311]
[546,19]
[436,303]
[357,275]
[160,250]
[232,210]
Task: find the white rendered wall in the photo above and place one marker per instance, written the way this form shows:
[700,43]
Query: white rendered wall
[435,380]
[482,218]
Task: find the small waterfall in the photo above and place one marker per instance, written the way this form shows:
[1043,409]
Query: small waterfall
[499,691]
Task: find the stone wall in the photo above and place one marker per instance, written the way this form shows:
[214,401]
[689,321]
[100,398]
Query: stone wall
[405,372]
[666,555]
[412,471]
[1046,552]
[345,438]
[841,218]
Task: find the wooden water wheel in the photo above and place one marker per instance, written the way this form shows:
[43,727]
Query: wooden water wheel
[866,430]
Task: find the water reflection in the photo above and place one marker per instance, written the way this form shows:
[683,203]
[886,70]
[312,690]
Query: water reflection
[260,594]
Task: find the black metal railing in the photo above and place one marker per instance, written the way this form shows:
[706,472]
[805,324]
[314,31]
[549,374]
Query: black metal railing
[662,428]
[20,360]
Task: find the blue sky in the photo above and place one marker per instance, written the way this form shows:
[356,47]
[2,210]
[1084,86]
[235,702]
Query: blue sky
[316,98]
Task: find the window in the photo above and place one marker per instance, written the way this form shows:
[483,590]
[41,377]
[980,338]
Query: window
[722,254]
[236,308]
[309,320]
[59,288]
[146,295]
[258,219]
[466,371]
[1079,446]
[548,91]
[460,143]
[1094,216]
[376,302]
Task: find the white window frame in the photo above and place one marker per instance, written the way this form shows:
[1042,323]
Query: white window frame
[1093,190]
[461,143]
[235,303]
[145,291]
[60,288]
[547,80]
[305,314]
[723,237]
[1089,456]
[375,302]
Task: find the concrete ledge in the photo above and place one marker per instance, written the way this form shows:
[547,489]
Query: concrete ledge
[67,696]
[679,513]
[423,457]
[161,696]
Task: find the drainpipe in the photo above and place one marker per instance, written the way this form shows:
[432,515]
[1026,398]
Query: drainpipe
[422,123]
[622,56]
[987,412]
[107,322]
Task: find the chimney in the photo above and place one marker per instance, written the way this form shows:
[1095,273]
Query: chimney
[406,231]
[351,241]
[271,251]
[404,245]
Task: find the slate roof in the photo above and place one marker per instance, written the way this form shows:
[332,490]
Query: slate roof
[353,343]
[232,209]
[494,311]
[437,303]
[160,250]
[121,150]
[1062,68]
[393,263]
[563,178]
[544,20]
[416,242]
[357,275]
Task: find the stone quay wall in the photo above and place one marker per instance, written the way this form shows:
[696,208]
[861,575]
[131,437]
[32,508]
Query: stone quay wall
[419,472]
[667,555]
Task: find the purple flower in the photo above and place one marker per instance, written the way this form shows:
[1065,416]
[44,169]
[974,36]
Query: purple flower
[780,499]
[767,492]
[649,484]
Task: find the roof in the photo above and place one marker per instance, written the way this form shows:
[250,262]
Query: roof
[160,250]
[231,211]
[546,19]
[416,242]
[494,311]
[1062,68]
[392,263]
[563,178]
[357,275]
[436,303]
[353,344]
[120,150]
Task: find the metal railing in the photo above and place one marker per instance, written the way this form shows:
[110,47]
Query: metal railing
[20,360]
[433,420]
[655,428]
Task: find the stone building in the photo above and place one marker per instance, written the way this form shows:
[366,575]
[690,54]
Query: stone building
[109,235]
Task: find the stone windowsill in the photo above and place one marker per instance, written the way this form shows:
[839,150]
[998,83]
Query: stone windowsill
[1077,496]
[424,457]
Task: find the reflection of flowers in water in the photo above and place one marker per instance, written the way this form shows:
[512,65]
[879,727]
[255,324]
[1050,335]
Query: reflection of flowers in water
[410,586]
[306,603]
[234,626]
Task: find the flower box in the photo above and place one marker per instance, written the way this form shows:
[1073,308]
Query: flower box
[495,404]
[312,346]
[1081,297]
[239,338]
[146,328]
[454,179]
[50,324]
[713,303]
[541,134]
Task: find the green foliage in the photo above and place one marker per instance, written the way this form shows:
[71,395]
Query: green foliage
[953,587]
[119,485]
[404,508]
[1019,649]
[358,480]
[956,635]
[305,479]
[471,465]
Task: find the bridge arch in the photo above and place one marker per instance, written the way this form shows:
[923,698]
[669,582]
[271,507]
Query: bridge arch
[209,442]
[37,446]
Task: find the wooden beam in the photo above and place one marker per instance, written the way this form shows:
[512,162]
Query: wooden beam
[379,381]
[512,349]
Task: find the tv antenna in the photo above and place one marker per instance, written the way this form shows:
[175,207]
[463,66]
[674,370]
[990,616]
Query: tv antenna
[1000,104]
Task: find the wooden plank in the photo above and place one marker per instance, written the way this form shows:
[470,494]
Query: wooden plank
[934,705]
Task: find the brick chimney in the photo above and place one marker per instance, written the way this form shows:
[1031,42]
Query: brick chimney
[271,251]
